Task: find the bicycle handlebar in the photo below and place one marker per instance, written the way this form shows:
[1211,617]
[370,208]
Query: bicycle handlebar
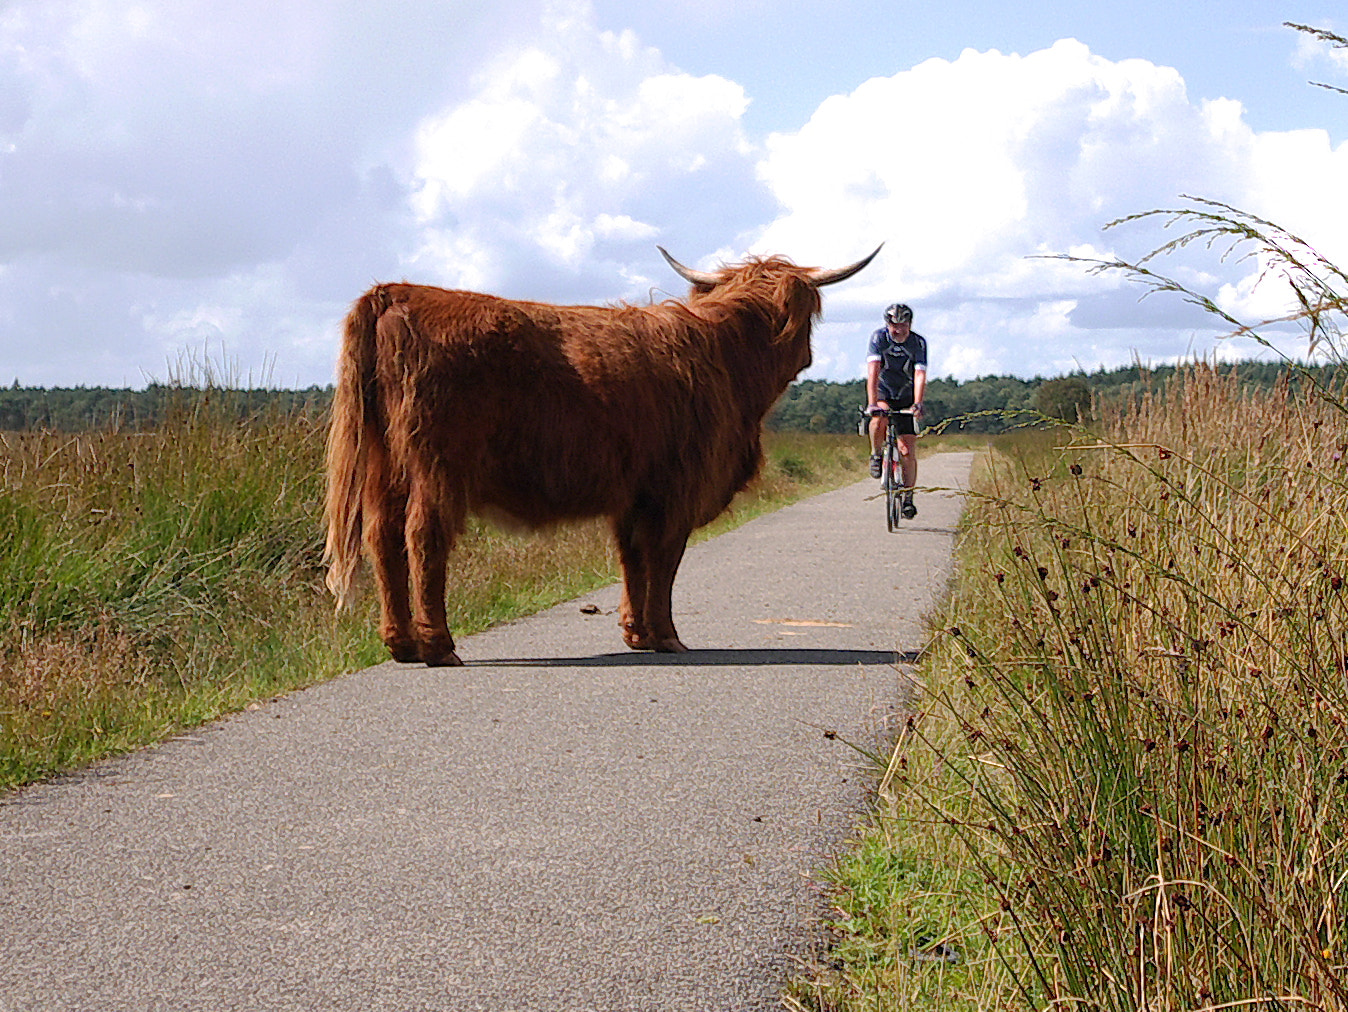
[888,412]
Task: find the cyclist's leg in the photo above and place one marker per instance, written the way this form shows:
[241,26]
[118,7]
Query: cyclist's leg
[879,426]
[908,449]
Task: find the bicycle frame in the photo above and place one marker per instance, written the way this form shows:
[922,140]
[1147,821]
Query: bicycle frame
[890,461]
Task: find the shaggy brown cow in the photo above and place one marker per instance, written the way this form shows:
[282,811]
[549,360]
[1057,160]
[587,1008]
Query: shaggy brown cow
[449,402]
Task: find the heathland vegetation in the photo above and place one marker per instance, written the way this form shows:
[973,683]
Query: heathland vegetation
[1125,782]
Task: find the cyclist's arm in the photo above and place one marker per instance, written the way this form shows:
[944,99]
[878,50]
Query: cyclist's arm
[919,383]
[873,381]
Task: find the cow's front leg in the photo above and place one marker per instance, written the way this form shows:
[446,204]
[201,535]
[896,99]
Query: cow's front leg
[632,610]
[428,546]
[662,565]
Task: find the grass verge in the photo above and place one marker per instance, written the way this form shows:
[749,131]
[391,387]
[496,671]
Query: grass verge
[1127,785]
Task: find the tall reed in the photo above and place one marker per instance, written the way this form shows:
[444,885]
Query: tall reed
[1128,778]
[1162,764]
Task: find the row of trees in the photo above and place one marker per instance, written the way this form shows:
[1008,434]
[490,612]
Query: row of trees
[986,404]
[77,409]
[993,403]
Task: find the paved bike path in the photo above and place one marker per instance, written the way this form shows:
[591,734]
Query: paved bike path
[561,824]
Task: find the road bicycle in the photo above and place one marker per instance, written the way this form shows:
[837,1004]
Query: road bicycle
[891,464]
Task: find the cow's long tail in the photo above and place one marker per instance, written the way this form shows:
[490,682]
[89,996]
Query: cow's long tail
[355,423]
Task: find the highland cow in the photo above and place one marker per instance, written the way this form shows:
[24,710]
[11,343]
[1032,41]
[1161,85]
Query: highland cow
[451,402]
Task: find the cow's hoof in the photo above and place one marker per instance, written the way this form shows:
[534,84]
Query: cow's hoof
[669,645]
[438,652]
[637,640]
[403,651]
[443,659]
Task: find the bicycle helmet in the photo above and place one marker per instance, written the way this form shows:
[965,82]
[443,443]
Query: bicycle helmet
[899,313]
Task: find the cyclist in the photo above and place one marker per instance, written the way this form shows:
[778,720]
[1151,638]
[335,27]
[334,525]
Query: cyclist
[896,377]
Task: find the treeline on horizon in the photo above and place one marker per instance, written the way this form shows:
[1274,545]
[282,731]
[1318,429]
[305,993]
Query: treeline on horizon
[80,409]
[988,404]
[993,404]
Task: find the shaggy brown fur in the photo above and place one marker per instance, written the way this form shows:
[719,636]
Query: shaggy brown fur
[449,402]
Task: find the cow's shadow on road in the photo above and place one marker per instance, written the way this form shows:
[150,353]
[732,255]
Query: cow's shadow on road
[749,657]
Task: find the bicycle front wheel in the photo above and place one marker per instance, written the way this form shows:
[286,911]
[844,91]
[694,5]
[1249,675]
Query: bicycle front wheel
[891,486]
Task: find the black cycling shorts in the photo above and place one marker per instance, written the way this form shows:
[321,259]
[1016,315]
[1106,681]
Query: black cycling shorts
[904,425]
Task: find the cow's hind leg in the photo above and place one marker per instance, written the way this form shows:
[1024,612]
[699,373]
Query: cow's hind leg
[385,516]
[650,558]
[432,525]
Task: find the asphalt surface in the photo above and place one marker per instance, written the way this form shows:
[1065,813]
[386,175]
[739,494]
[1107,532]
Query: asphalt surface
[562,824]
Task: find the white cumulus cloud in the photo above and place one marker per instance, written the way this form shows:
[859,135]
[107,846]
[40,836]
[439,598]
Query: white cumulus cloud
[971,169]
[572,155]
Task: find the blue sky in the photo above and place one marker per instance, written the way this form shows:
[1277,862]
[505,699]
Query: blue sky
[218,179]
[792,55]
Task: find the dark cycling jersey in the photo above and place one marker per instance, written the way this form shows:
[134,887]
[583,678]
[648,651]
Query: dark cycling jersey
[897,365]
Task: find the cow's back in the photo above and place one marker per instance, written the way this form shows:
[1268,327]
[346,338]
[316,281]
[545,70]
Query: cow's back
[550,413]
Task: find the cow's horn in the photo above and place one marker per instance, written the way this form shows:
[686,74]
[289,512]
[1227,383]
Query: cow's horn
[688,274]
[822,277]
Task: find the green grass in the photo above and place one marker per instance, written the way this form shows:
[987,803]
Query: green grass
[897,929]
[150,582]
